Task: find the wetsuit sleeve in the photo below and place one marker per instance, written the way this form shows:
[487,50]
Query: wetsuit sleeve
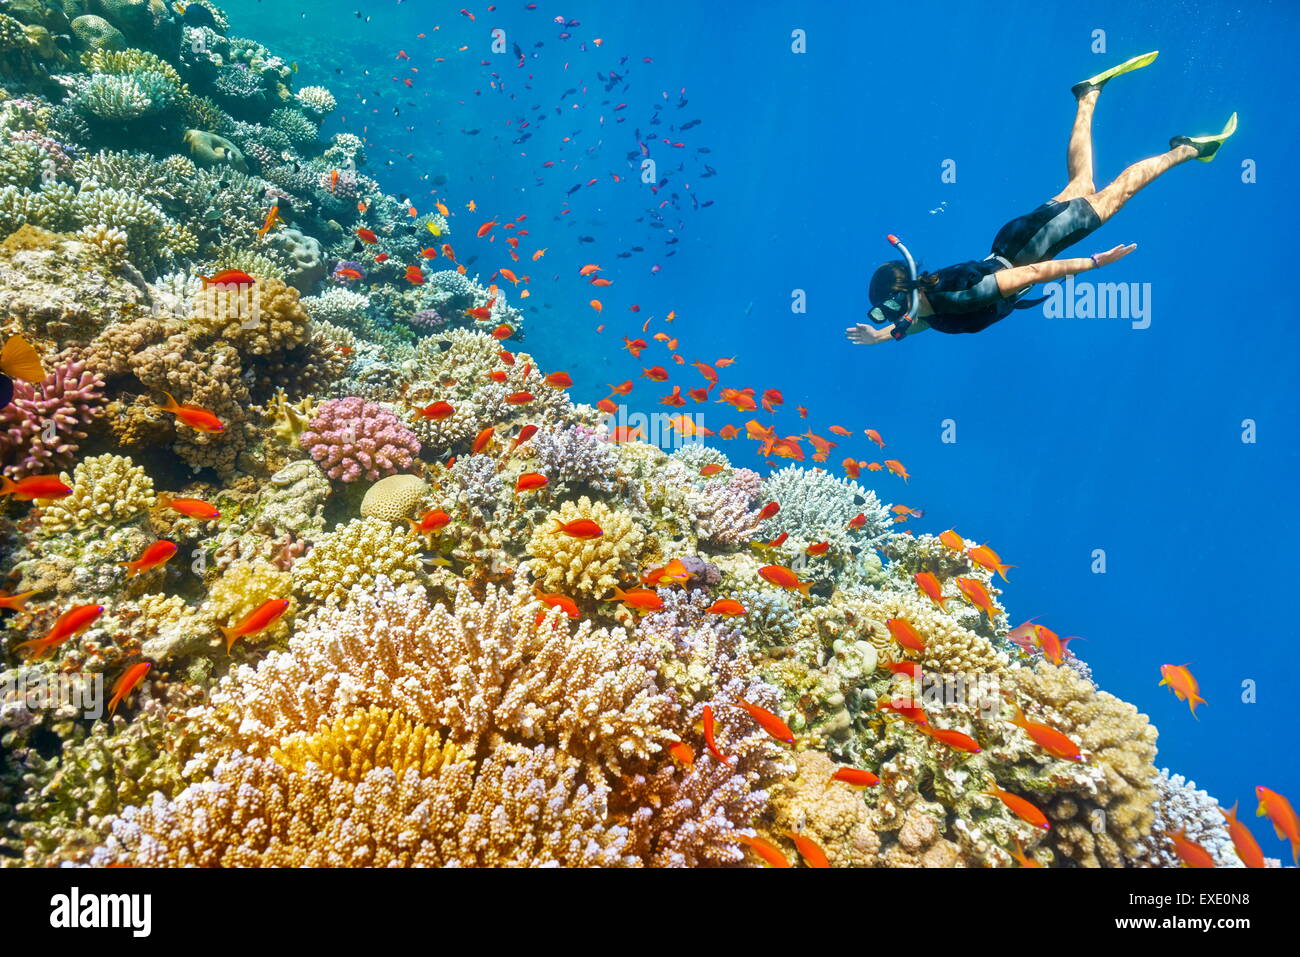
[979,296]
[918,325]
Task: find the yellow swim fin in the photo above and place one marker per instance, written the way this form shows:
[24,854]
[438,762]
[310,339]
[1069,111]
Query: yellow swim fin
[1098,81]
[1207,146]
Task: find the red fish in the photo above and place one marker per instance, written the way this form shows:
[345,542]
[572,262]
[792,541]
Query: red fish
[768,721]
[905,634]
[190,507]
[950,539]
[1021,808]
[531,481]
[558,380]
[1283,816]
[195,416]
[159,553]
[953,739]
[642,599]
[897,468]
[1188,851]
[256,622]
[1049,739]
[682,753]
[783,577]
[770,853]
[768,510]
[525,433]
[17,602]
[975,592]
[482,440]
[71,623]
[502,332]
[986,557]
[485,228]
[1248,848]
[821,548]
[1183,685]
[727,607]
[556,600]
[809,850]
[874,436]
[229,277]
[436,411]
[933,590]
[127,682]
[855,777]
[519,398]
[709,738]
[771,399]
[367,236]
[34,488]
[415,275]
[582,528]
[429,523]
[655,374]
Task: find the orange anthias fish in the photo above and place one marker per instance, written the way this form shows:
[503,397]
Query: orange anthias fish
[127,683]
[558,380]
[768,510]
[709,738]
[783,577]
[525,433]
[623,388]
[905,634]
[34,488]
[1282,815]
[429,523]
[519,398]
[195,416]
[1020,855]
[820,548]
[482,440]
[257,621]
[642,599]
[855,777]
[655,374]
[851,468]
[1052,645]
[977,595]
[912,713]
[772,398]
[1188,851]
[933,590]
[857,521]
[770,853]
[71,623]
[415,275]
[272,217]
[583,528]
[673,573]
[159,553]
[953,739]
[708,471]
[897,468]
[874,436]
[556,600]
[502,331]
[769,722]
[436,411]
[1049,739]
[588,269]
[950,539]
[228,277]
[17,602]
[367,236]
[727,607]
[531,481]
[190,507]
[1021,808]
[608,406]
[809,850]
[1184,686]
[986,557]
[1248,848]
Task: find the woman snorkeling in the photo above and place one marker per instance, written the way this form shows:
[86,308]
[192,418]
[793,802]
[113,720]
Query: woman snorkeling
[972,296]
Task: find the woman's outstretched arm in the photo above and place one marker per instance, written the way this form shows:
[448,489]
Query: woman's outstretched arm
[1011,281]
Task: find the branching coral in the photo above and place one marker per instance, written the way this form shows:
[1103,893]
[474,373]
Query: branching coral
[358,553]
[106,490]
[40,428]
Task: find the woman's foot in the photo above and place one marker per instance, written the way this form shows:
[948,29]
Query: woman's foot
[1206,146]
[1100,80]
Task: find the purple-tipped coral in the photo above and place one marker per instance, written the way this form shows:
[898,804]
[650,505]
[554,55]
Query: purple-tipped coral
[427,320]
[40,429]
[353,439]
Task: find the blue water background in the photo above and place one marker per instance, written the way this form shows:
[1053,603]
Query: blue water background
[1072,434]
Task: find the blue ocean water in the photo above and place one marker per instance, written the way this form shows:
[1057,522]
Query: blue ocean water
[1074,436]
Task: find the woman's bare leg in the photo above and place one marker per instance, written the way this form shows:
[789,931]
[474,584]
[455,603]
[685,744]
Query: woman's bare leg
[1107,202]
[1078,155]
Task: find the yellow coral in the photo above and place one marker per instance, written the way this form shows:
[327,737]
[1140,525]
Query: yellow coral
[356,554]
[371,738]
[830,812]
[106,490]
[289,419]
[394,499]
[586,568]
[245,586]
[258,320]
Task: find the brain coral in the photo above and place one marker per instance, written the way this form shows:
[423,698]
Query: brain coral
[394,499]
[357,553]
[587,569]
[352,439]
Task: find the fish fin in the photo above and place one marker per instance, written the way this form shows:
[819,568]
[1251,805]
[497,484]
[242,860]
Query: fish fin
[230,636]
[19,360]
[171,405]
[7,486]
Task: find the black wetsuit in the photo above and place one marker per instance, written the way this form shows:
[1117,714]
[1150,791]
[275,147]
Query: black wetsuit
[966,297]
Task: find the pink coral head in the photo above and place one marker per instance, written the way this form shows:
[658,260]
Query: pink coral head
[352,438]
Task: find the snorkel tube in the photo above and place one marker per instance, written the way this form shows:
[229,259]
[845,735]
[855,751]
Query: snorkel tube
[891,310]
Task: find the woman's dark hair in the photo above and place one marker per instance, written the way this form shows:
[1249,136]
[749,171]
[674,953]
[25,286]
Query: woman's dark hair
[893,279]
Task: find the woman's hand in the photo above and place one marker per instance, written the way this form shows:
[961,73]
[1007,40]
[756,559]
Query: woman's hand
[1114,255]
[865,335]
